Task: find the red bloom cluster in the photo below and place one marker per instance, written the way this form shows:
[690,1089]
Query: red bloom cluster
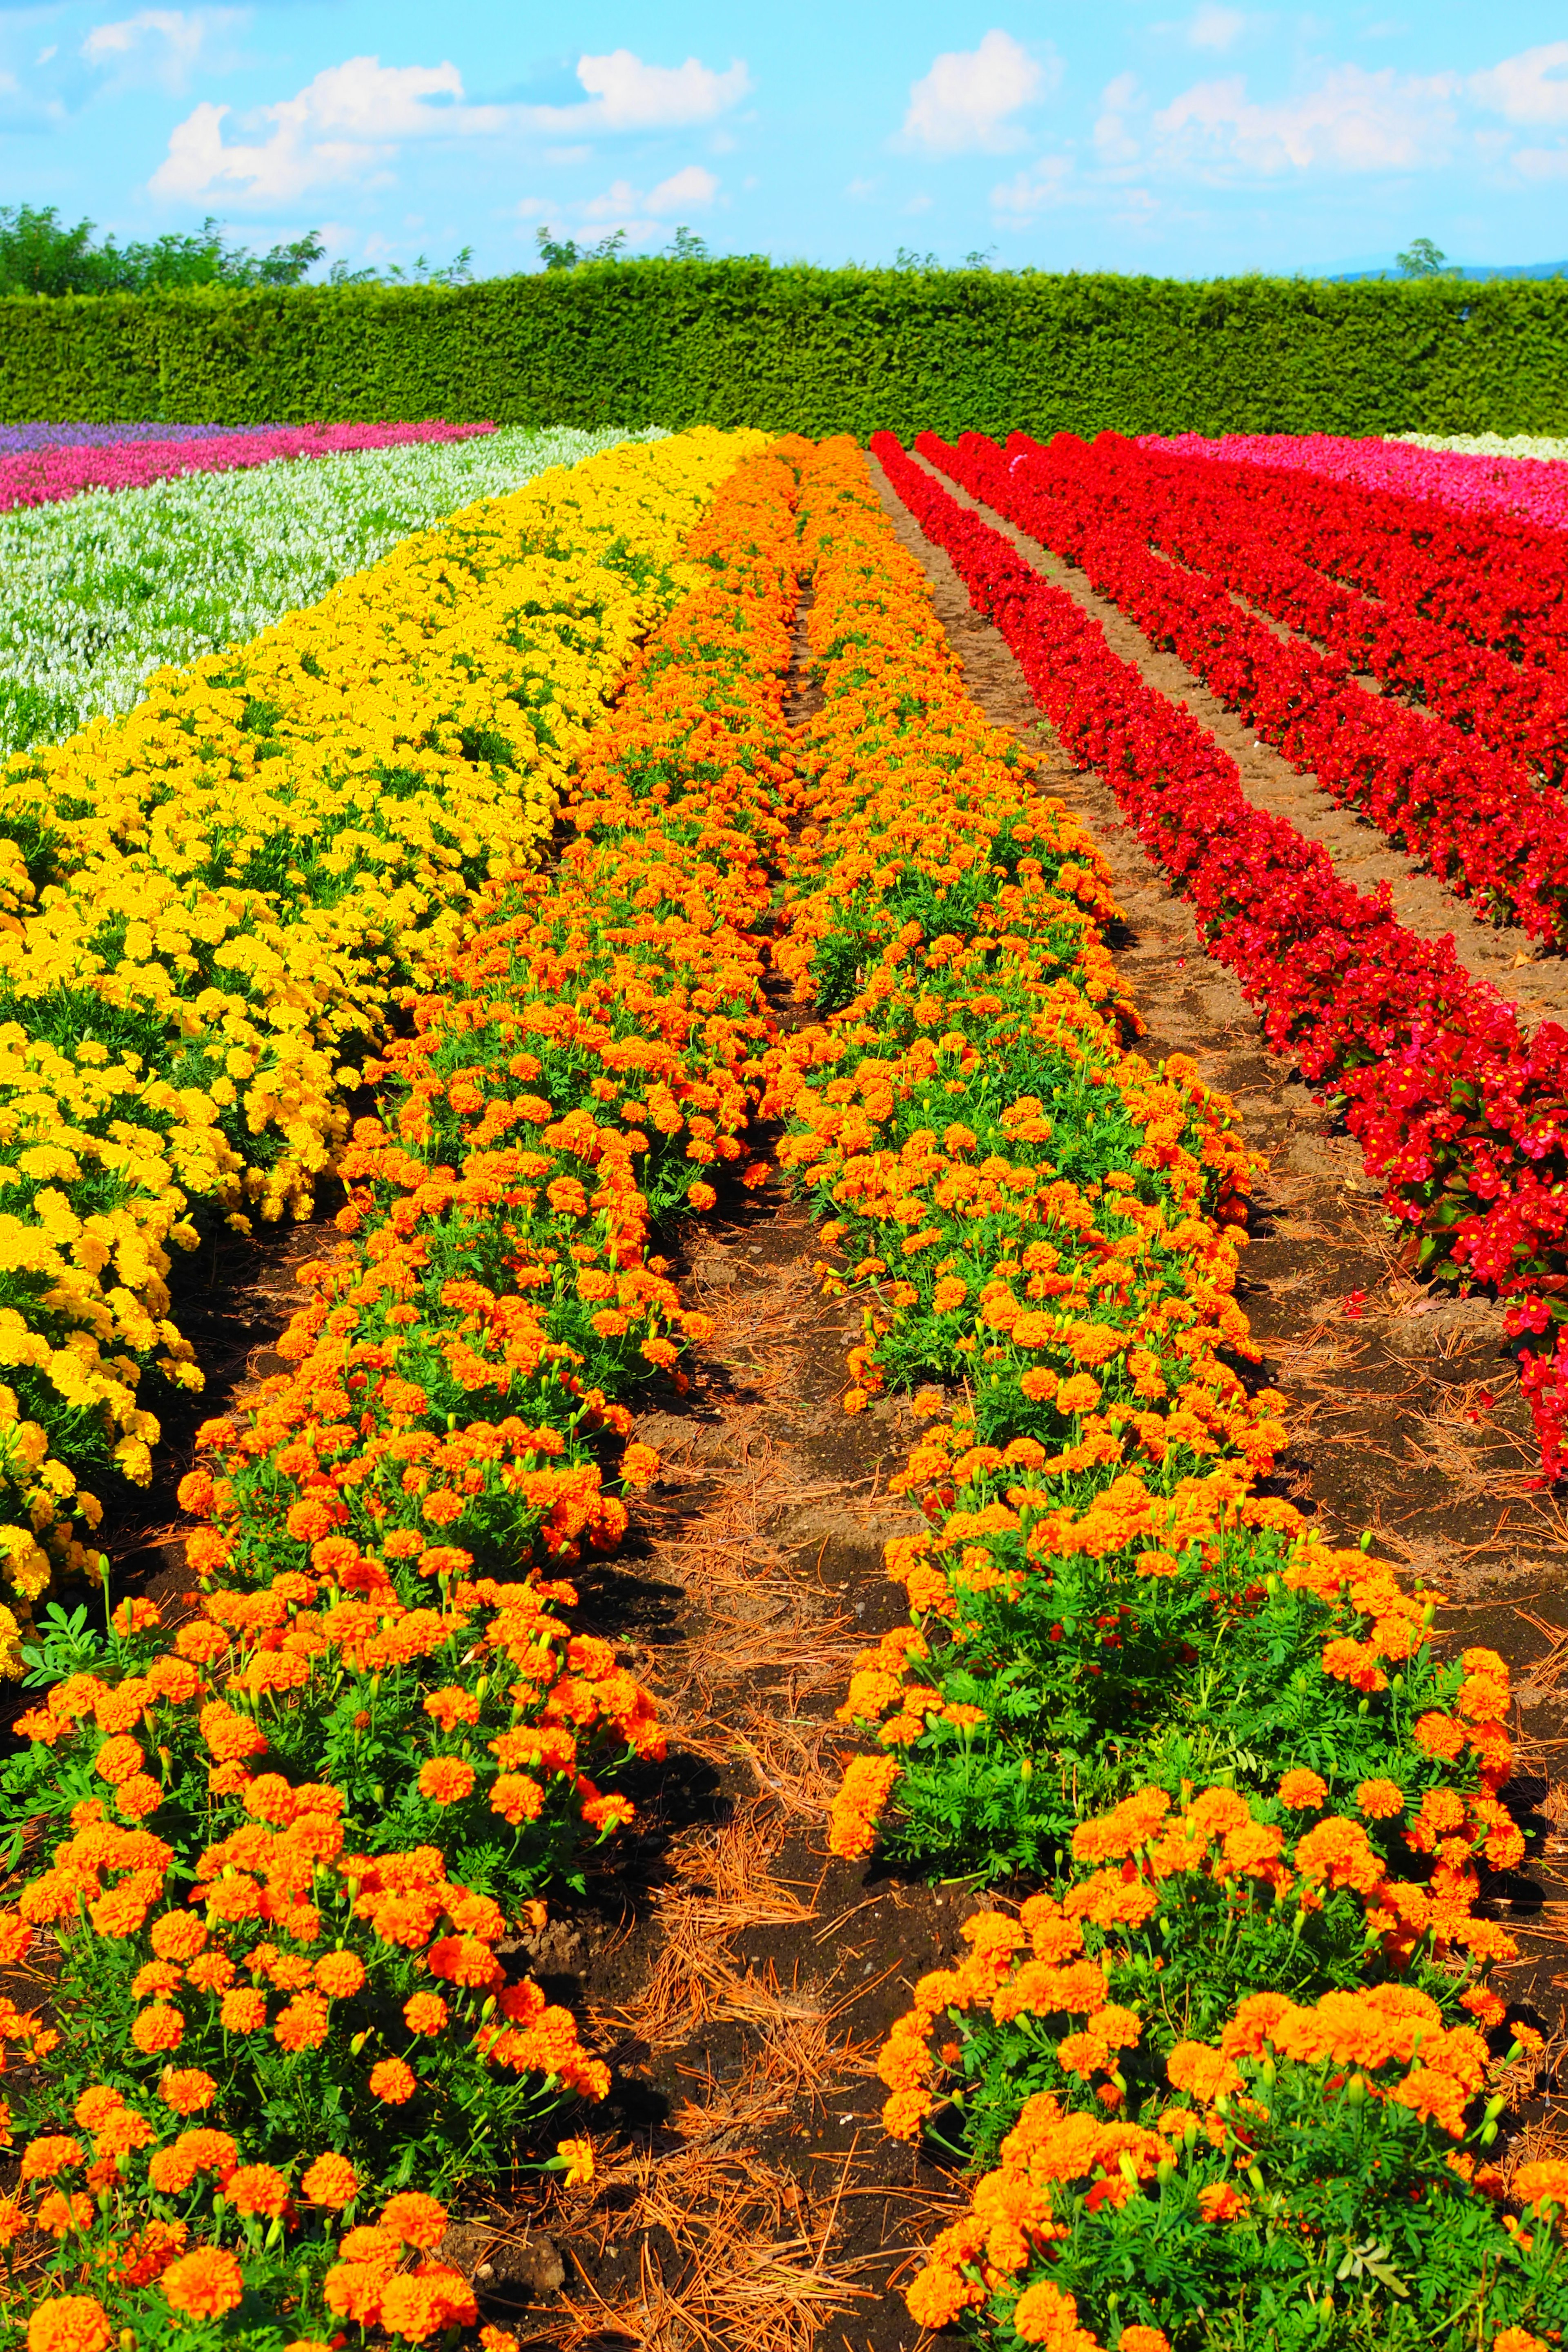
[1458,1113]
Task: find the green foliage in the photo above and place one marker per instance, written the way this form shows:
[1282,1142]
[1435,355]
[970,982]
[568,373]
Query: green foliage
[592,340]
[39,254]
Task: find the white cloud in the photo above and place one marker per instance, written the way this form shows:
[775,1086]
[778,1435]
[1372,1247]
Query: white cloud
[1529,88]
[1041,186]
[354,117]
[965,103]
[624,94]
[641,213]
[166,43]
[1214,27]
[689,190]
[1354,122]
[1113,136]
[347,121]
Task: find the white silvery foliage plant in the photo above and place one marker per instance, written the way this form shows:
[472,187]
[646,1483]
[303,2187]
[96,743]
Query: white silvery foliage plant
[99,590]
[1488,445]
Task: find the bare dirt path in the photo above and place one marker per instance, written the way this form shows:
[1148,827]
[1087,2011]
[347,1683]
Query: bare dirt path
[1533,977]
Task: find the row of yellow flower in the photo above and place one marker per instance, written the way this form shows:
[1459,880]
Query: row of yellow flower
[209,909]
[1243,2050]
[299,1829]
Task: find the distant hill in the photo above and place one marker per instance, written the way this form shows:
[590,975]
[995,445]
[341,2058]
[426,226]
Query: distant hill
[1456,269]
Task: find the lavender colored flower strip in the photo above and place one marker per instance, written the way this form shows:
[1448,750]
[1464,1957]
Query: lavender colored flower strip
[21,440]
[1533,489]
[43,475]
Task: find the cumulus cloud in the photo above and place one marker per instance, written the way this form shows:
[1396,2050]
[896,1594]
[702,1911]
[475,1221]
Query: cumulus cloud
[967,102]
[1353,121]
[1529,88]
[352,120]
[641,213]
[347,121]
[624,94]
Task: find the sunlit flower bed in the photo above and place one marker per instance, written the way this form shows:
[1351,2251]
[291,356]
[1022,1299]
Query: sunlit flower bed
[99,591]
[1228,2078]
[38,475]
[291,1837]
[1457,1112]
[1483,482]
[212,906]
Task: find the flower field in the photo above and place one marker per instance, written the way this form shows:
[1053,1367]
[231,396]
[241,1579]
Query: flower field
[104,587]
[619,860]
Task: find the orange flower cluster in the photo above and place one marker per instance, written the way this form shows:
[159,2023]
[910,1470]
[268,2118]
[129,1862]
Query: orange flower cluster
[1062,1246]
[384,1671]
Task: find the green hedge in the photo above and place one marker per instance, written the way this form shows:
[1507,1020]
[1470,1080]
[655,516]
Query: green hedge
[817,351]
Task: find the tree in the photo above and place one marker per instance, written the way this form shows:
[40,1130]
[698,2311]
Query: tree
[1422,258]
[39,254]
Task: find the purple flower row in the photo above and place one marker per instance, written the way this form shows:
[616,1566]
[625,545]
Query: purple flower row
[40,475]
[21,440]
[1534,488]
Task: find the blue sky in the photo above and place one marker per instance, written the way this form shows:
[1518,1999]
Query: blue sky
[1177,136]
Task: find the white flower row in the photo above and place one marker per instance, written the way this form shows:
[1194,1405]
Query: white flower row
[1488,444]
[98,590]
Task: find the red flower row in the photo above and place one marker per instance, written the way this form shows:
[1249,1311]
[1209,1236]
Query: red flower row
[1464,1120]
[1496,582]
[1484,824]
[1236,532]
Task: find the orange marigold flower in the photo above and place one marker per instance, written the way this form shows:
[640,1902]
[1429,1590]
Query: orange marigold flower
[446,1779]
[302,2023]
[425,2012]
[339,1975]
[330,2181]
[158,2027]
[1380,1800]
[257,2189]
[1044,2315]
[1512,2339]
[1207,2073]
[46,2159]
[243,2010]
[1220,2202]
[516,1797]
[452,1706]
[937,2294]
[186,2089]
[1545,2183]
[416,2219]
[204,2285]
[116,1760]
[862,1795]
[393,2081]
[1439,1736]
[421,2305]
[1303,1792]
[1143,2339]
[68,2322]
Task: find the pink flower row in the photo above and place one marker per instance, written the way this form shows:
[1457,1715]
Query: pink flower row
[44,476]
[1534,488]
[1464,1119]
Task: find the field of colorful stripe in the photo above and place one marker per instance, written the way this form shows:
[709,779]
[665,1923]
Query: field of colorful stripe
[1244,2002]
[1524,487]
[41,475]
[215,904]
[98,591]
[282,2029]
